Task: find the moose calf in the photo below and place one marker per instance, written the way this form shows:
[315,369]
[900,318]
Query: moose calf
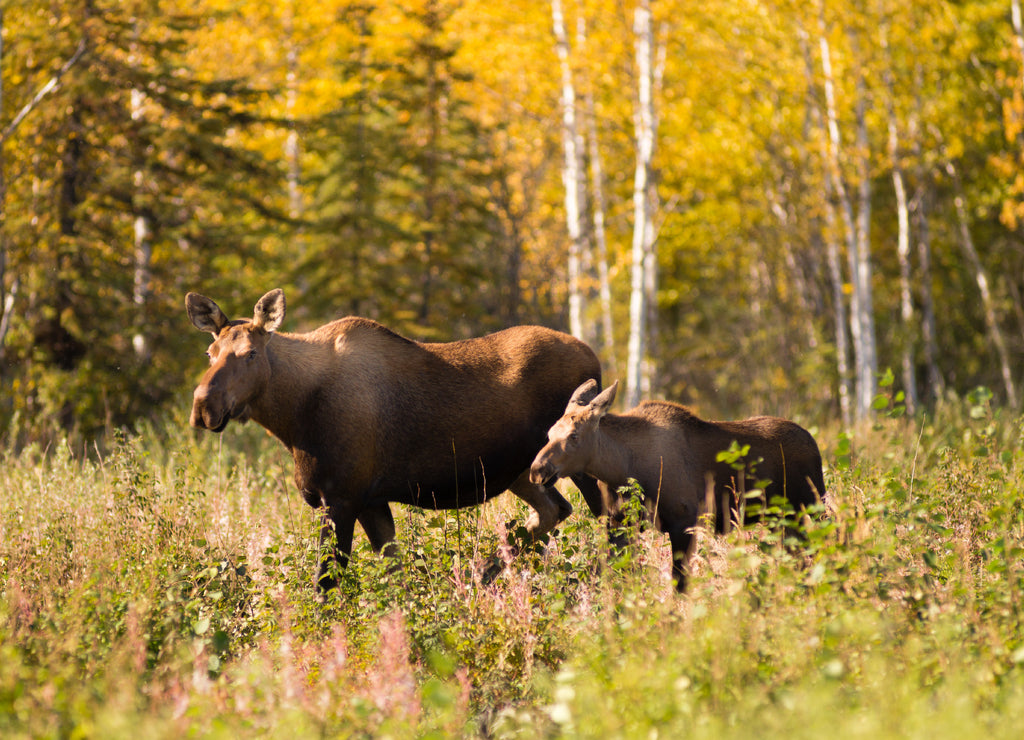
[673,455]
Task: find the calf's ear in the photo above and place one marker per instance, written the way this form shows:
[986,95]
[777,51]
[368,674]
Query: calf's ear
[603,400]
[269,311]
[204,314]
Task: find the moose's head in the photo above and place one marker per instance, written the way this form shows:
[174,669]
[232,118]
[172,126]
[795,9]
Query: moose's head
[239,368]
[573,439]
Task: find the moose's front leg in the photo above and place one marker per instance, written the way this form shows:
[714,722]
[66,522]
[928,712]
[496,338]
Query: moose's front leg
[343,523]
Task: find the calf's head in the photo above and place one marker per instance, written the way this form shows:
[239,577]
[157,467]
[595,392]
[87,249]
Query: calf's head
[573,440]
[239,369]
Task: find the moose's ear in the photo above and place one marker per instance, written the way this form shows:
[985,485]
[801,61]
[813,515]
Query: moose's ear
[585,393]
[269,311]
[604,399]
[204,314]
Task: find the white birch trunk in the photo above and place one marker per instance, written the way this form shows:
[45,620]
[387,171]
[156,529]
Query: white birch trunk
[866,349]
[1018,36]
[903,255]
[143,232]
[572,172]
[831,231]
[598,207]
[861,323]
[835,272]
[5,296]
[902,239]
[637,373]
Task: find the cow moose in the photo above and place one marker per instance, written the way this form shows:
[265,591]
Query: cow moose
[371,417]
[672,454]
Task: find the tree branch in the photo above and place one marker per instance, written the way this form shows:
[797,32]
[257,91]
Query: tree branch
[43,92]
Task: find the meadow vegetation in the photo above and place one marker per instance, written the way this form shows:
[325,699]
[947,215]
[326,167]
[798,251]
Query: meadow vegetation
[164,589]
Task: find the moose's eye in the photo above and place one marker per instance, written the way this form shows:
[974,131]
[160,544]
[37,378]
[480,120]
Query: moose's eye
[252,355]
[574,437]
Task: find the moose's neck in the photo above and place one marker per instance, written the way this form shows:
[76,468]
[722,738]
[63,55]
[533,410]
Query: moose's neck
[297,368]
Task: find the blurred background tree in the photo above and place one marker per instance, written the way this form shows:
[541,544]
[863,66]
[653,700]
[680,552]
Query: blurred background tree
[835,190]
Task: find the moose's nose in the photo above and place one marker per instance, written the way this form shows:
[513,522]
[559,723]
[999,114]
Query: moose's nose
[541,472]
[201,413]
[198,402]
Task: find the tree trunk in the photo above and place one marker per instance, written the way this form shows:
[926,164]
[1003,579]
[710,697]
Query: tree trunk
[9,295]
[903,255]
[637,371]
[143,227]
[929,330]
[835,272]
[572,173]
[5,294]
[837,189]
[598,208]
[902,238]
[981,278]
[1018,36]
[856,230]
[867,347]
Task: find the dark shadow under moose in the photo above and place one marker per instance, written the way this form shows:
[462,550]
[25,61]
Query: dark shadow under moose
[371,417]
[673,455]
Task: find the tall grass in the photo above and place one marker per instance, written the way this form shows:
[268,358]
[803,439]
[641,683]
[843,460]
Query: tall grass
[165,589]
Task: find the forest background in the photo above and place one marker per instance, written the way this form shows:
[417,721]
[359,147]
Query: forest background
[747,206]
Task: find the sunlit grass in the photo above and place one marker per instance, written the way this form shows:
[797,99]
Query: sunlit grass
[165,589]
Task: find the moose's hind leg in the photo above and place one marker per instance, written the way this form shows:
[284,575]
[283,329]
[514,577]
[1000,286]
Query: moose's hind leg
[681,534]
[343,526]
[379,525]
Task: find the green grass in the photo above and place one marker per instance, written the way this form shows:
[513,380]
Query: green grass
[165,590]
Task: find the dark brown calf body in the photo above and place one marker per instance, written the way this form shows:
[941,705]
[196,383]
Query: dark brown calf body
[371,417]
[673,454]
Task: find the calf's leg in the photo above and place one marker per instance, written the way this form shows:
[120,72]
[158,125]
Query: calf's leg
[680,534]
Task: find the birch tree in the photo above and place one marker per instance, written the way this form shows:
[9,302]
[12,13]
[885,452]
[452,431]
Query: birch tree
[7,297]
[141,216]
[981,279]
[642,253]
[855,227]
[597,187]
[860,264]
[903,234]
[573,177]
